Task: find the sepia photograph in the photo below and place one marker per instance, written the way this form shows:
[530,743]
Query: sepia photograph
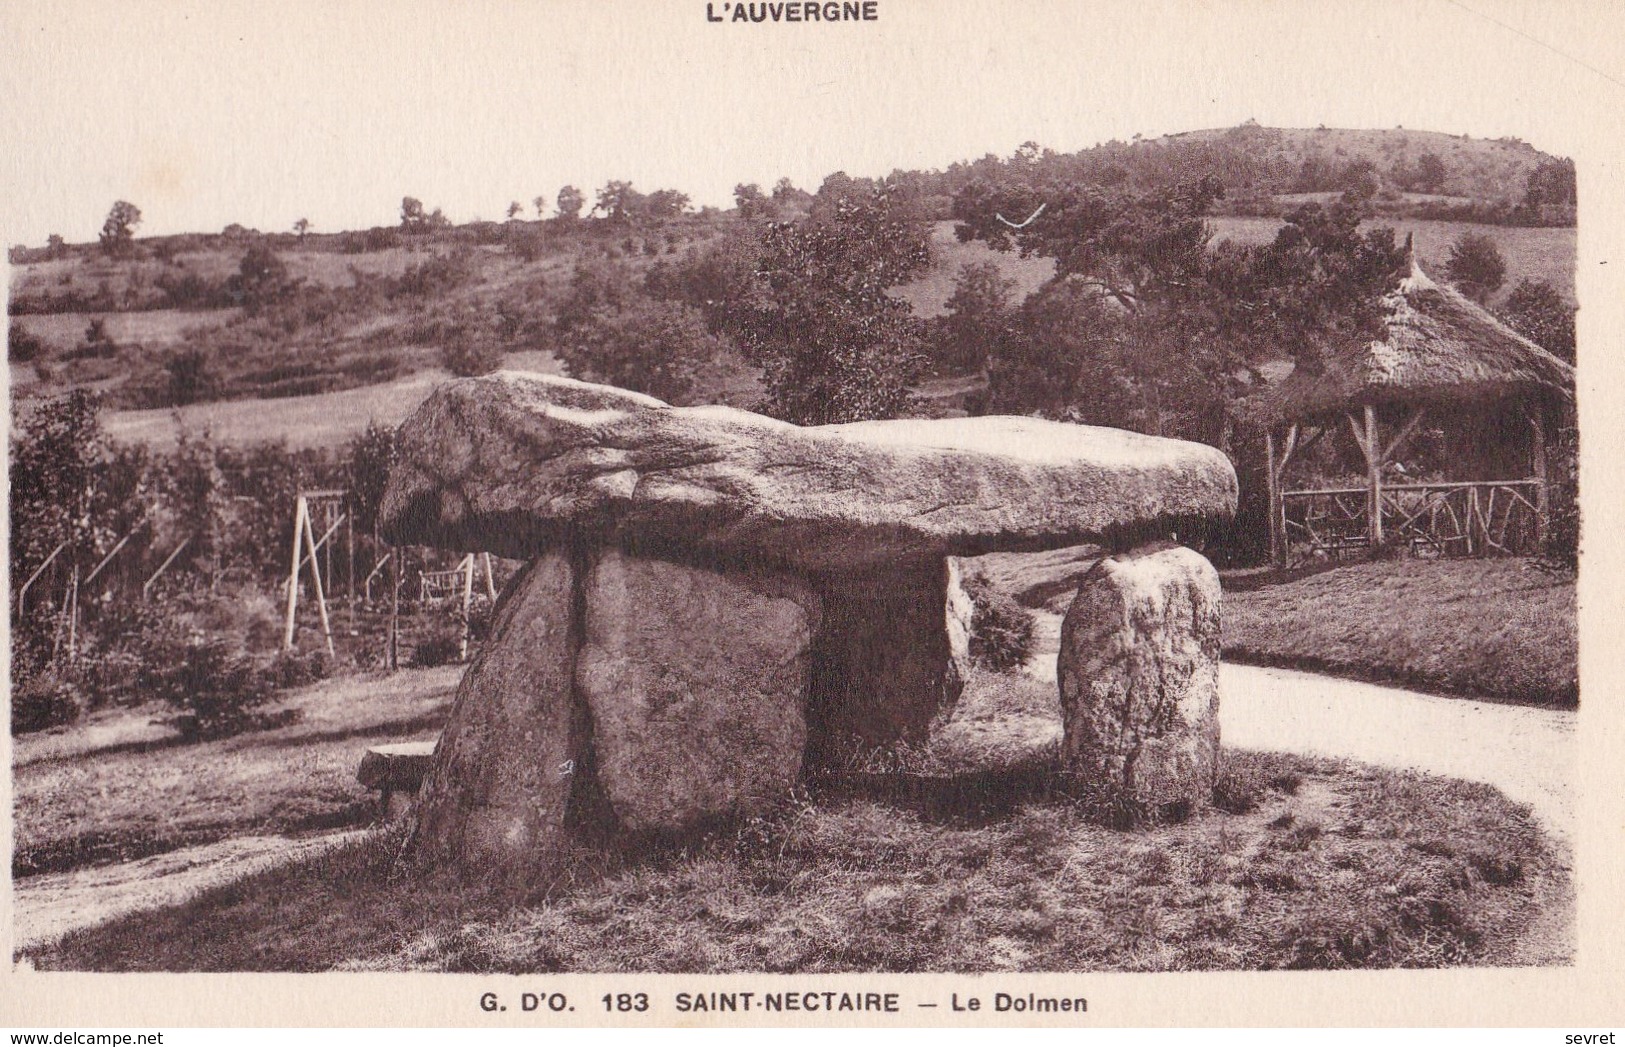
[784,497]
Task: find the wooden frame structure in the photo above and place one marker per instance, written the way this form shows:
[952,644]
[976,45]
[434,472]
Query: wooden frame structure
[1445,360]
[331,508]
[1447,518]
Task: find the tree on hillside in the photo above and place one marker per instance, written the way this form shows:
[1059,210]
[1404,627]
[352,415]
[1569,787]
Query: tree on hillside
[1476,266]
[55,247]
[301,228]
[834,346]
[571,200]
[515,209]
[414,219]
[619,202]
[1539,312]
[645,344]
[540,203]
[118,231]
[261,278]
[978,312]
[1429,173]
[665,204]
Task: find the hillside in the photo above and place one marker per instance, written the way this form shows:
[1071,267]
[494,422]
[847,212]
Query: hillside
[368,315]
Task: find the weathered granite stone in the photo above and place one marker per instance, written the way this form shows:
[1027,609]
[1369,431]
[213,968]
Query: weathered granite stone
[512,463]
[1138,674]
[893,653]
[697,684]
[493,803]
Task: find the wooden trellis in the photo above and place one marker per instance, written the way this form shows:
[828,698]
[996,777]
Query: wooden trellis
[1466,518]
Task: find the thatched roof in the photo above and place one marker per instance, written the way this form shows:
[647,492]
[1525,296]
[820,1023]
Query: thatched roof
[1439,347]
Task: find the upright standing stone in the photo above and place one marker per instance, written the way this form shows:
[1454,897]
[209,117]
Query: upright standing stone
[697,684]
[892,655]
[494,801]
[1138,673]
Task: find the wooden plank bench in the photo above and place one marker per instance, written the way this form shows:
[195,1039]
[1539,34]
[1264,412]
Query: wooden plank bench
[397,768]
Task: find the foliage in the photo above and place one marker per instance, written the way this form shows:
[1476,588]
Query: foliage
[189,375]
[641,343]
[372,455]
[1539,312]
[978,313]
[1562,544]
[22,345]
[570,202]
[54,474]
[1476,266]
[118,231]
[470,356]
[833,345]
[414,219]
[44,700]
[261,278]
[1001,630]
[216,687]
[442,647]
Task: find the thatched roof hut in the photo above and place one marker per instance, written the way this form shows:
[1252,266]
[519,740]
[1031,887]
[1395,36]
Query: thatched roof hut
[1442,356]
[1439,348]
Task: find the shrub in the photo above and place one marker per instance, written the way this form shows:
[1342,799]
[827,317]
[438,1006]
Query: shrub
[45,700]
[1001,630]
[469,357]
[442,648]
[292,669]
[217,688]
[23,346]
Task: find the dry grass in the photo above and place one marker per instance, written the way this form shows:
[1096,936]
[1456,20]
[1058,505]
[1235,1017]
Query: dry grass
[1499,629]
[1314,864]
[153,329]
[120,788]
[977,864]
[929,293]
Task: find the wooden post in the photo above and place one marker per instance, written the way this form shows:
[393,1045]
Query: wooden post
[293,572]
[146,587]
[1373,458]
[1538,454]
[321,595]
[73,615]
[468,600]
[394,607]
[1277,539]
[490,579]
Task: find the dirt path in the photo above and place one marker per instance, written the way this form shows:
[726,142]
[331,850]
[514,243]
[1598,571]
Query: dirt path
[1529,754]
[48,906]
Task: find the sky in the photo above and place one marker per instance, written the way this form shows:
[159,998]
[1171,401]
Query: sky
[205,114]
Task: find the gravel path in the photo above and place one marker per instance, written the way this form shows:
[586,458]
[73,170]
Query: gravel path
[48,906]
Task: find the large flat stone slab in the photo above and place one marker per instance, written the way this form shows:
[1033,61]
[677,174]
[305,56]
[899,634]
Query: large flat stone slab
[513,463]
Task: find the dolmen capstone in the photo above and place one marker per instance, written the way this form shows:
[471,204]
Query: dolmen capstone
[714,600]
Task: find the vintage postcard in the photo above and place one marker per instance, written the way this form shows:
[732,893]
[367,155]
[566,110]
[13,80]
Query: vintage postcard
[821,513]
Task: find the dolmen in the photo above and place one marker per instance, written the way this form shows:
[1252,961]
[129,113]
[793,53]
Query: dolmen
[715,603]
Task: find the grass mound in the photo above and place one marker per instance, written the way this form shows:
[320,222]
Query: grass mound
[1499,629]
[1303,864]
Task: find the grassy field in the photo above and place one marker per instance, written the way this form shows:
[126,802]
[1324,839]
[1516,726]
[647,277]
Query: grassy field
[976,865]
[1499,629]
[120,787]
[929,294]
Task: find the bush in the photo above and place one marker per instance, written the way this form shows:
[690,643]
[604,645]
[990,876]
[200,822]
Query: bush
[292,669]
[22,346]
[45,700]
[470,357]
[218,690]
[443,648]
[1001,630]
